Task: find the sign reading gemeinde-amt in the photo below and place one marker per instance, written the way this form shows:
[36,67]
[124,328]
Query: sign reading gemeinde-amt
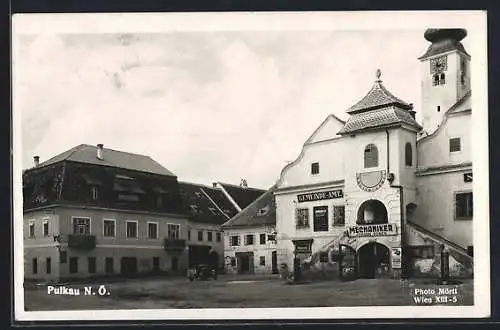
[373,230]
[317,196]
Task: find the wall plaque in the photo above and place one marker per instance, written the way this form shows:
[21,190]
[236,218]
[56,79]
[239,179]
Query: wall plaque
[318,196]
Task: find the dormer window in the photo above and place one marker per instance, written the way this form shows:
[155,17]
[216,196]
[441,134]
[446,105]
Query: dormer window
[194,209]
[95,193]
[371,156]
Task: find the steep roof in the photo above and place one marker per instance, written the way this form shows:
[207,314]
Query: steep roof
[242,196]
[378,97]
[85,153]
[199,201]
[261,212]
[379,108]
[385,117]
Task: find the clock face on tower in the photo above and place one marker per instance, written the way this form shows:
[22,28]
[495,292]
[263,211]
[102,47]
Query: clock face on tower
[439,64]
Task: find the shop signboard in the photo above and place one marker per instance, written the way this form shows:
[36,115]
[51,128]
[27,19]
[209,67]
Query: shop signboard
[396,258]
[386,229]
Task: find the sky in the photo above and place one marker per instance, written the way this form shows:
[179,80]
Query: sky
[207,105]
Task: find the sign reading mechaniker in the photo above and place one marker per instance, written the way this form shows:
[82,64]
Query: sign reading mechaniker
[373,230]
[317,196]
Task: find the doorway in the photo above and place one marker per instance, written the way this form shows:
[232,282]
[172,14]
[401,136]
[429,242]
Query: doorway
[129,266]
[214,260]
[373,260]
[245,262]
[274,262]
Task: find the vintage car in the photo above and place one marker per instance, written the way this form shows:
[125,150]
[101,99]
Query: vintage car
[202,272]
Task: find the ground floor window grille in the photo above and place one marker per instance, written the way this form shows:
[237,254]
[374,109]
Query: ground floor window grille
[73,265]
[234,241]
[339,215]
[463,206]
[35,265]
[302,216]
[262,261]
[48,265]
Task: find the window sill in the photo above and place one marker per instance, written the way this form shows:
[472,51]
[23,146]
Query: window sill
[302,228]
[463,219]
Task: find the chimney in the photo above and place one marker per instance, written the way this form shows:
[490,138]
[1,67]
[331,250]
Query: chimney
[243,183]
[214,184]
[99,151]
[36,160]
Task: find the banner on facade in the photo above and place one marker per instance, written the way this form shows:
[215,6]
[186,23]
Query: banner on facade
[372,230]
[318,196]
[396,258]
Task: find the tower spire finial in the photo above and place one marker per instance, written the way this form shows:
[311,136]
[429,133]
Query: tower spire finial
[378,73]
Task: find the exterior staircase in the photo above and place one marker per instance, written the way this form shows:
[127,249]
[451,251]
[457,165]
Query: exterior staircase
[458,252]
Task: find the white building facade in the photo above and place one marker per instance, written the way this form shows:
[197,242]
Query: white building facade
[380,190]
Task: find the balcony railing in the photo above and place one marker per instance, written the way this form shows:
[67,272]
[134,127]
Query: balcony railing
[82,242]
[174,244]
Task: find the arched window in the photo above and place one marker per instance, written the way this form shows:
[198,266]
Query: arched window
[435,80]
[408,155]
[371,156]
[442,79]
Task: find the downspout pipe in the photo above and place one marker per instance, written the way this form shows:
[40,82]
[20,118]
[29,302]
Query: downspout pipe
[401,211]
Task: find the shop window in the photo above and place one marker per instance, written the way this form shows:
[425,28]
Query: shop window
[463,206]
[302,220]
[73,265]
[323,256]
[338,215]
[108,265]
[262,238]
[48,265]
[408,155]
[371,156]
[320,214]
[91,263]
[315,168]
[249,239]
[455,144]
[262,261]
[235,240]
[63,257]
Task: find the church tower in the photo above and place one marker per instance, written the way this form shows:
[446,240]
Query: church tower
[445,74]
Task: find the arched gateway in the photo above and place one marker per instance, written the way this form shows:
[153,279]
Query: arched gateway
[373,260]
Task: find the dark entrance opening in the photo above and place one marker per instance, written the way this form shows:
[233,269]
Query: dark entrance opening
[214,259]
[245,262]
[129,266]
[156,264]
[198,255]
[274,262]
[373,260]
[175,264]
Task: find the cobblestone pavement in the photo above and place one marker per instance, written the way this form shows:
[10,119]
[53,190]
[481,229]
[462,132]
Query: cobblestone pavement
[235,292]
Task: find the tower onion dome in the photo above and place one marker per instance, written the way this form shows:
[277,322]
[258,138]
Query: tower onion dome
[444,40]
[434,35]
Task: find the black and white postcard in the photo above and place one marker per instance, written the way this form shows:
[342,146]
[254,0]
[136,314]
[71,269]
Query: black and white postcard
[225,166]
